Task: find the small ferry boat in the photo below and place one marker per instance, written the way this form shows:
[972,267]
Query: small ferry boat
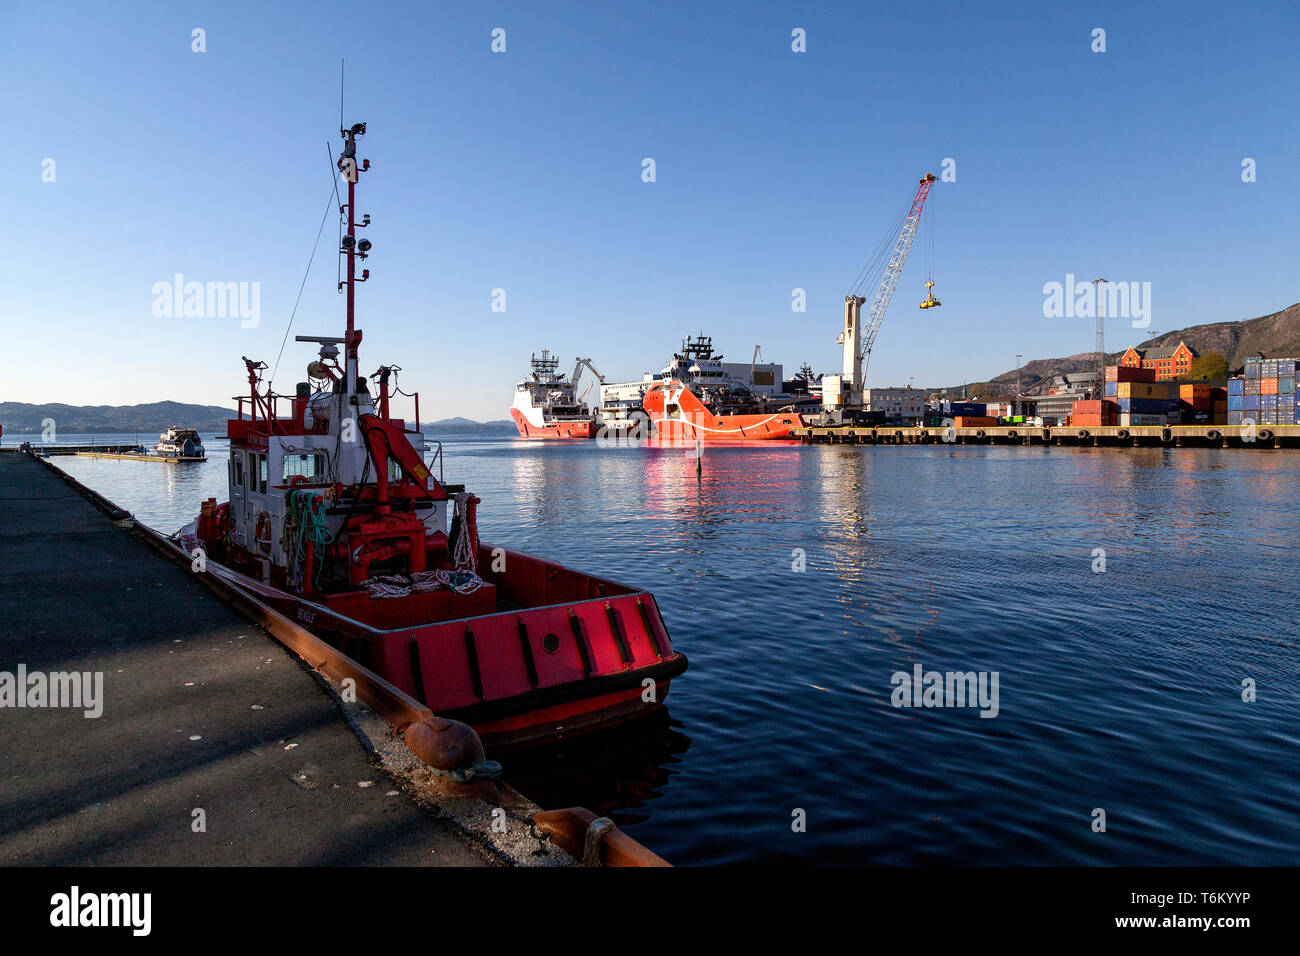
[336,519]
[180,444]
[546,403]
[695,398]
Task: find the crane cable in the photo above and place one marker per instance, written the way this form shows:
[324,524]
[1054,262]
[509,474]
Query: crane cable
[929,239]
[874,269]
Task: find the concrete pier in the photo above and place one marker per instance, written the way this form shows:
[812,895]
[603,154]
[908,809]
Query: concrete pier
[202,711]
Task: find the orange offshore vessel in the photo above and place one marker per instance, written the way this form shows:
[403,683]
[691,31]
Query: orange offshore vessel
[335,519]
[696,399]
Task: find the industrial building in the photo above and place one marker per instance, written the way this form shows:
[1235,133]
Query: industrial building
[896,404]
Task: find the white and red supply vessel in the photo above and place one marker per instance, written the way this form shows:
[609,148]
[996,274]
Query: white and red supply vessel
[546,403]
[335,519]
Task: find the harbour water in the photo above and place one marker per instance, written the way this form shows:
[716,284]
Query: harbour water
[799,580]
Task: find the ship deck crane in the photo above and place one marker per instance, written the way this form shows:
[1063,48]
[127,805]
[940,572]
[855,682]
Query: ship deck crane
[843,393]
[578,366]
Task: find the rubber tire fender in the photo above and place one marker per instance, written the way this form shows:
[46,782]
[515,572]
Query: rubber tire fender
[1166,435]
[1213,434]
[1084,433]
[1122,433]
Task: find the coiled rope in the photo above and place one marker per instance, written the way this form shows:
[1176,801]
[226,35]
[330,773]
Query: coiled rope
[304,526]
[463,580]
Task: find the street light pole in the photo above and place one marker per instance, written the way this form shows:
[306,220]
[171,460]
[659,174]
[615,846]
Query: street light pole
[1014,410]
[1101,337]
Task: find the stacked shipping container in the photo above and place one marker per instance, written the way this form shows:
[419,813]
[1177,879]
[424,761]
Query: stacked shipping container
[1100,412]
[1140,400]
[1265,394]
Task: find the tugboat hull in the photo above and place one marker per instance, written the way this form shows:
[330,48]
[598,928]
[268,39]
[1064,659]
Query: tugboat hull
[558,652]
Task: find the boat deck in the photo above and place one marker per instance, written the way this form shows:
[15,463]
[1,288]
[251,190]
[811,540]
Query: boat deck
[201,710]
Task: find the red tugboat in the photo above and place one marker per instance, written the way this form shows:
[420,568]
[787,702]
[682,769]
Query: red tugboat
[336,520]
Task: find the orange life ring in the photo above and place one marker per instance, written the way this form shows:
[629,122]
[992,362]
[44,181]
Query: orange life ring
[262,531]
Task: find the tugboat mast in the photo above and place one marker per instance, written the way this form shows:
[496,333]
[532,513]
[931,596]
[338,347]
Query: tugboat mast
[352,249]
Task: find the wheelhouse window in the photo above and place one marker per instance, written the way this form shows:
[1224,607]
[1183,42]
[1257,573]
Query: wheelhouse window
[261,474]
[237,469]
[311,467]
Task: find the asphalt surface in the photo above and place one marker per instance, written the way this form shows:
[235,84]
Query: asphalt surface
[201,711]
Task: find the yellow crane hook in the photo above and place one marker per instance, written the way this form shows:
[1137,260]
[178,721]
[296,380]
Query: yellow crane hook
[930,301]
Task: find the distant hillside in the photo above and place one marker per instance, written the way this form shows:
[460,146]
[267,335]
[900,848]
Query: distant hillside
[209,420]
[1275,334]
[466,426]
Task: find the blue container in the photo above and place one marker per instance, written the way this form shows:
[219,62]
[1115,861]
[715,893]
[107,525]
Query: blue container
[1236,403]
[1251,403]
[1236,386]
[1285,367]
[1297,417]
[1286,384]
[1112,389]
[1252,368]
[1147,406]
[1268,402]
[1234,418]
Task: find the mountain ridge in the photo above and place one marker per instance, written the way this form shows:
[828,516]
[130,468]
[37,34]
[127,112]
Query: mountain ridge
[1275,333]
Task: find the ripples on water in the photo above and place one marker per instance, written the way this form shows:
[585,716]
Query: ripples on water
[1119,690]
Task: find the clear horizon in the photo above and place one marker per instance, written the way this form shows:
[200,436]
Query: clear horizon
[134,158]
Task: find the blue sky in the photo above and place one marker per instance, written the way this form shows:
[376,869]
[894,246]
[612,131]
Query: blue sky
[775,170]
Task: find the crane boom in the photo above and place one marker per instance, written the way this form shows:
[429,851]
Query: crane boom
[842,394]
[577,370]
[871,327]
